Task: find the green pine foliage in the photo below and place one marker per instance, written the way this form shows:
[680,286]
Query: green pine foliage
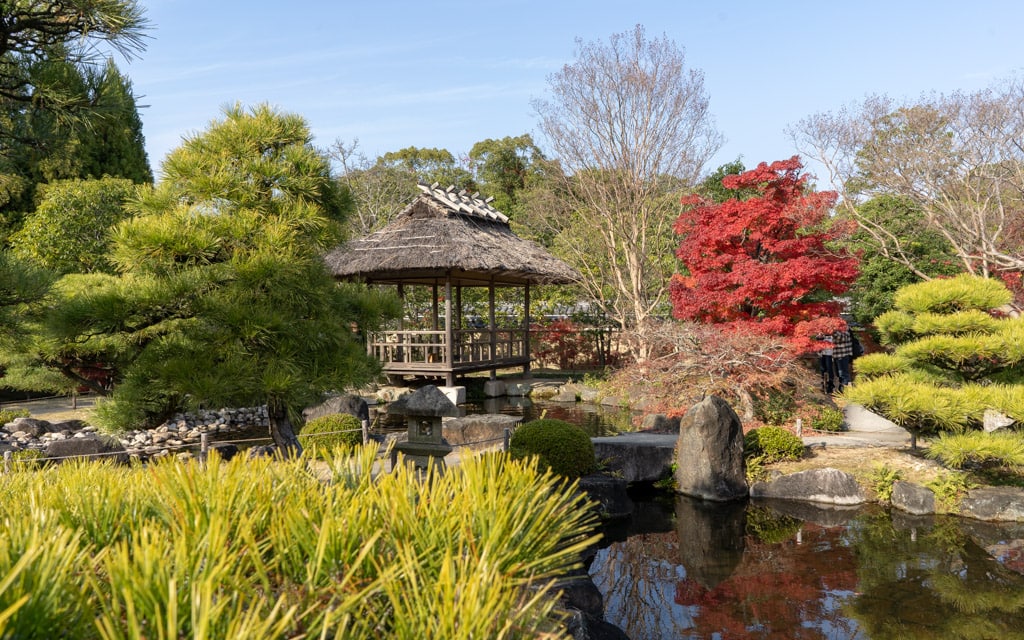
[953,356]
[978,448]
[562,447]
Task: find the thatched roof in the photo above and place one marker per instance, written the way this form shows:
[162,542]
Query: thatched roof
[445,232]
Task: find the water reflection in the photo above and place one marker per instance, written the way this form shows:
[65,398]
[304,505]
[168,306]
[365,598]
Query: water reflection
[793,570]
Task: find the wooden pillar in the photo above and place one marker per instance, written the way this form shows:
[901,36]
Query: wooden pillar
[492,327]
[449,376]
[434,322]
[526,329]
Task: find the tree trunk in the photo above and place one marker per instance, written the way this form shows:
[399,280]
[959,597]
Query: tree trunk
[281,430]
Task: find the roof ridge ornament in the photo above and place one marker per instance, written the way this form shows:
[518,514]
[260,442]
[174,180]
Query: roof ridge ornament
[462,203]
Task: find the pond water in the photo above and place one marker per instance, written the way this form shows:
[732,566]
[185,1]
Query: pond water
[596,420]
[683,568]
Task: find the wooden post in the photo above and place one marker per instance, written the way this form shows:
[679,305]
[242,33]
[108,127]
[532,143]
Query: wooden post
[526,329]
[449,376]
[492,327]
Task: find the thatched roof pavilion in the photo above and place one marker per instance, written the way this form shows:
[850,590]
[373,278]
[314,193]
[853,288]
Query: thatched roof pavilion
[444,239]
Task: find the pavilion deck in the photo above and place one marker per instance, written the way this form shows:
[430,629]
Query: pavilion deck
[430,353]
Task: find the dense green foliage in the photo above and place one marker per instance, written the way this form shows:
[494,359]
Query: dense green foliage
[978,448]
[65,110]
[254,548]
[563,448]
[69,232]
[953,357]
[772,444]
[332,431]
[7,415]
[221,296]
[880,276]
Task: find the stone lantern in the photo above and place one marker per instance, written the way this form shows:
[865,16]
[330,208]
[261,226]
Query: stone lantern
[423,411]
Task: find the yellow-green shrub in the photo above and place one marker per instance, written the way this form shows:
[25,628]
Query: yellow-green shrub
[331,431]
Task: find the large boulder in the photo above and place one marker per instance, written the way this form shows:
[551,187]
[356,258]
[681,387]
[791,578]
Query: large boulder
[709,457]
[994,503]
[913,498]
[93,447]
[829,486]
[31,426]
[350,404]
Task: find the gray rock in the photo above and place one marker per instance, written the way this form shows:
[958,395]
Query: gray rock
[224,450]
[996,421]
[350,404]
[709,459]
[33,427]
[637,457]
[425,401]
[611,401]
[994,503]
[70,425]
[913,498]
[589,394]
[610,494]
[660,422]
[90,446]
[829,486]
[478,432]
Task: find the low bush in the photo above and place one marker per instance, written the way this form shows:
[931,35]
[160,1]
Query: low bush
[883,479]
[828,419]
[773,444]
[332,431]
[8,415]
[563,448]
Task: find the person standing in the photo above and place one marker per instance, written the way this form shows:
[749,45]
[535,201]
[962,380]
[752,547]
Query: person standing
[842,353]
[827,367]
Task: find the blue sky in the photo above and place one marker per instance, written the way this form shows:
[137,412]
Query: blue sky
[449,73]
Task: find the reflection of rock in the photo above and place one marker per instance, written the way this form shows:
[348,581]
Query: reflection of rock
[710,462]
[822,515]
[609,493]
[711,539]
[830,486]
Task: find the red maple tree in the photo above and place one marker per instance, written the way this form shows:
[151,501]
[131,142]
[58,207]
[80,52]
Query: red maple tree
[762,264]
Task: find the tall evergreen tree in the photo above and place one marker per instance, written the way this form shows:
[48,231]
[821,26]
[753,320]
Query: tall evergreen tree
[221,296]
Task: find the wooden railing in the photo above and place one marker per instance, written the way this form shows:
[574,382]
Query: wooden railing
[472,346]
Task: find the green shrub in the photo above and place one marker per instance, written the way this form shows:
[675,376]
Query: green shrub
[883,478]
[775,408]
[1004,448]
[949,489]
[332,431]
[828,419]
[773,444]
[8,415]
[562,447]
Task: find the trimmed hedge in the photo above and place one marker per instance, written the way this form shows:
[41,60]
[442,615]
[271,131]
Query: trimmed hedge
[332,431]
[773,444]
[563,448]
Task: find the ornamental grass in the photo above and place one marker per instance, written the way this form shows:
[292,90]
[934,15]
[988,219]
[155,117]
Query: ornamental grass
[260,548]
